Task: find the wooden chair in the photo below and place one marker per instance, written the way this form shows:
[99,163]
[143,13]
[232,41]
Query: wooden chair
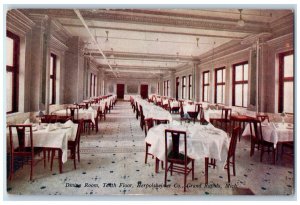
[262,117]
[224,121]
[23,151]
[73,146]
[137,111]
[254,134]
[103,112]
[149,123]
[231,152]
[72,110]
[174,109]
[264,144]
[194,114]
[182,116]
[142,118]
[174,160]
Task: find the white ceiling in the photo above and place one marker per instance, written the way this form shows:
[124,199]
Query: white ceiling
[159,40]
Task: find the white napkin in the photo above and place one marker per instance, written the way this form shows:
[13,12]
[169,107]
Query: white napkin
[90,109]
[50,127]
[27,121]
[69,123]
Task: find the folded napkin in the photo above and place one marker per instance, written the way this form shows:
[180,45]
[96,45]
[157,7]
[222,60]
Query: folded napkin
[90,109]
[69,123]
[27,121]
[50,127]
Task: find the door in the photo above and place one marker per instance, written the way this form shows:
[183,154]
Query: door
[177,85]
[120,91]
[144,91]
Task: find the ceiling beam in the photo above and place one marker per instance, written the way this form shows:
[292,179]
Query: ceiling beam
[149,68]
[93,38]
[154,31]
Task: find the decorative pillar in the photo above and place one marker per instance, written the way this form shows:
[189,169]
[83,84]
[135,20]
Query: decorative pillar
[195,80]
[255,71]
[172,84]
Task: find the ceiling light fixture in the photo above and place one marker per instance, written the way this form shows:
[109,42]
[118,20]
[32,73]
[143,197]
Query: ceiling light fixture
[197,39]
[112,53]
[177,58]
[106,36]
[241,22]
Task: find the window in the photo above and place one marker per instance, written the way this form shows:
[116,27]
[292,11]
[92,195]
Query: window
[165,88]
[157,88]
[220,85]
[95,85]
[183,87]
[240,85]
[91,84]
[205,86]
[286,82]
[12,70]
[190,87]
[52,91]
[168,86]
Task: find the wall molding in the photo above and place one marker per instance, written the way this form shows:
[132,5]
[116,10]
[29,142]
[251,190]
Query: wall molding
[18,23]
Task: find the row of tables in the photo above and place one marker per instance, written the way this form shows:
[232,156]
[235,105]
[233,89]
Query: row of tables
[203,141]
[57,135]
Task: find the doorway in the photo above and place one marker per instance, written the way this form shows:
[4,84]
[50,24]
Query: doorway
[144,91]
[120,91]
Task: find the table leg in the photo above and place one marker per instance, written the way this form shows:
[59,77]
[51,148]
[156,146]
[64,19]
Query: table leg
[206,170]
[60,160]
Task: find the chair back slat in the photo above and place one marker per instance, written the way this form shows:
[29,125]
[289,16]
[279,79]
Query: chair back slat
[226,113]
[175,136]
[21,137]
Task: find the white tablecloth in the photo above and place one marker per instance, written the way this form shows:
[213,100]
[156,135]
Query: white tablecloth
[57,138]
[97,105]
[274,132]
[202,141]
[82,114]
[215,114]
[152,111]
[174,104]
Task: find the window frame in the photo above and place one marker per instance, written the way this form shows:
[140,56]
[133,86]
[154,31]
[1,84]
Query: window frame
[53,77]
[183,86]
[168,87]
[205,84]
[223,83]
[283,79]
[14,69]
[94,89]
[91,84]
[243,82]
[190,87]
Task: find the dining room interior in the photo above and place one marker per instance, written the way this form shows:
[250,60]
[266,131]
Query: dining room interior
[150,101]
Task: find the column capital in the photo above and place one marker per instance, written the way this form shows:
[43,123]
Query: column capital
[257,38]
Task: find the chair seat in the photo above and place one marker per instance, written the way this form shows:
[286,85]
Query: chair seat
[179,159]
